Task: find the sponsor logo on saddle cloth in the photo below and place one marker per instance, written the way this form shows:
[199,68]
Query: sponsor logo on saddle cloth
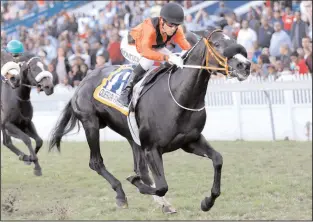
[111,87]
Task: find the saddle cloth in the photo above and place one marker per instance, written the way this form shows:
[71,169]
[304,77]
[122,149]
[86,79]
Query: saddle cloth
[111,87]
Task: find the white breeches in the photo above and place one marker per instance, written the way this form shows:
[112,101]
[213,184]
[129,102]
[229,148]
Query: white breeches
[130,53]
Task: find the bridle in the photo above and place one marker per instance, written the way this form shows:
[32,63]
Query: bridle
[222,61]
[39,76]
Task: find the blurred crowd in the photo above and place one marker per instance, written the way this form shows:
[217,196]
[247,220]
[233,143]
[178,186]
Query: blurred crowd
[277,35]
[12,11]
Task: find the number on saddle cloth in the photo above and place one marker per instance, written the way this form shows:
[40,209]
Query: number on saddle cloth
[119,80]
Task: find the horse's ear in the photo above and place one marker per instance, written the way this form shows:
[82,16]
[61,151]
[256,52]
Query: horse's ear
[210,30]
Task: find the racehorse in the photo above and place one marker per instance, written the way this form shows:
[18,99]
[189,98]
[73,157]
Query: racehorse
[17,110]
[7,64]
[168,114]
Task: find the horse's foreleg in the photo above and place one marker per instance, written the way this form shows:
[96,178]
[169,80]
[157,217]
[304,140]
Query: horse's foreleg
[8,143]
[141,169]
[91,127]
[19,134]
[202,148]
[32,132]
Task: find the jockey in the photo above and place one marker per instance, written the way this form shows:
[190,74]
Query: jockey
[146,43]
[15,48]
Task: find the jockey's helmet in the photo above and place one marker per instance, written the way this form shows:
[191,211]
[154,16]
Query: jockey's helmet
[172,13]
[15,47]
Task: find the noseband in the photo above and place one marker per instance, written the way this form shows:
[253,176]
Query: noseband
[222,61]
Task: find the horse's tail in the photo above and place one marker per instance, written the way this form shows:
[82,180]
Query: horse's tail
[65,124]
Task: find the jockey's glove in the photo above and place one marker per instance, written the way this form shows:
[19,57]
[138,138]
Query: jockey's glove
[176,60]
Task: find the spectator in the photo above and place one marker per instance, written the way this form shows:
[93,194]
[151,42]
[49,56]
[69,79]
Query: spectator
[306,11]
[191,24]
[103,58]
[51,51]
[272,71]
[247,38]
[284,56]
[43,56]
[277,18]
[222,10]
[307,46]
[265,33]
[308,62]
[278,37]
[263,63]
[114,50]
[254,20]
[128,17]
[297,65]
[75,75]
[79,53]
[257,53]
[61,65]
[232,28]
[298,31]
[203,18]
[287,20]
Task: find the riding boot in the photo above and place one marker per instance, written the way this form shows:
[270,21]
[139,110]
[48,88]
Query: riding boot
[135,77]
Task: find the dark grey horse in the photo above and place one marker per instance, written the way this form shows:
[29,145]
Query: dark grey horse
[17,110]
[7,79]
[167,121]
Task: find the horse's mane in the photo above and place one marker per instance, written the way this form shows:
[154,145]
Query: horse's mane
[205,33]
[194,36]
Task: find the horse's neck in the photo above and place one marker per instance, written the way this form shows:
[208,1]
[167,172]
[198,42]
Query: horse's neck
[23,92]
[190,85]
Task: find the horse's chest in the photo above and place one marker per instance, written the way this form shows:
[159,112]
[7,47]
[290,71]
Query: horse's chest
[20,113]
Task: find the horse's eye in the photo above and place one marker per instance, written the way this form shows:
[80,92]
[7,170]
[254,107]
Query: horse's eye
[216,44]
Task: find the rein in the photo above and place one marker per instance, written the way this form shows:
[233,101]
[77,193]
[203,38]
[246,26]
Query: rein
[219,58]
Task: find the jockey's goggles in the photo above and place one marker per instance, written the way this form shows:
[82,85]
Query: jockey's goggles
[171,25]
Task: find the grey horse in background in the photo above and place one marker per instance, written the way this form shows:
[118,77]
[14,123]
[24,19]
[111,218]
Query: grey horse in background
[17,110]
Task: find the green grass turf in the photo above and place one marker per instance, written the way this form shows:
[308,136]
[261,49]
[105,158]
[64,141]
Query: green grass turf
[260,180]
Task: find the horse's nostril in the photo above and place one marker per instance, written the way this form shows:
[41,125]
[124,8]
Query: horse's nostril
[240,66]
[46,87]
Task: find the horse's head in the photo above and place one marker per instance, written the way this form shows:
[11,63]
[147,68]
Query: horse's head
[228,57]
[10,70]
[35,73]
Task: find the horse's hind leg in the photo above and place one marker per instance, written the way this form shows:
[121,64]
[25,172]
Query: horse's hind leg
[155,162]
[141,169]
[32,132]
[91,127]
[19,134]
[203,148]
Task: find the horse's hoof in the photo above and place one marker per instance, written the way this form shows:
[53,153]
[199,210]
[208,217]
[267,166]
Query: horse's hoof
[206,204]
[21,157]
[133,179]
[38,172]
[122,203]
[168,210]
[27,162]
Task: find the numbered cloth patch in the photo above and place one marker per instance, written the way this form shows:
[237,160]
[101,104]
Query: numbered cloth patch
[111,87]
